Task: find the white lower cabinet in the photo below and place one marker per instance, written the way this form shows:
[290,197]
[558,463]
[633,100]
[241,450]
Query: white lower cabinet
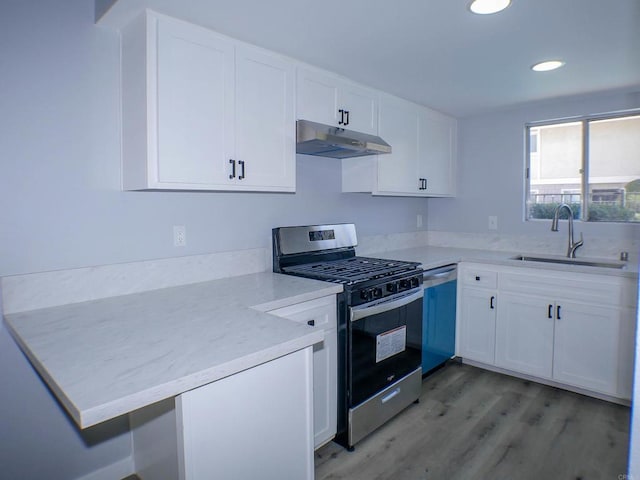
[476,307]
[477,325]
[524,335]
[586,346]
[321,313]
[572,329]
[257,423]
[271,400]
[254,424]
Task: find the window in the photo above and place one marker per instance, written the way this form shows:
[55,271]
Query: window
[591,164]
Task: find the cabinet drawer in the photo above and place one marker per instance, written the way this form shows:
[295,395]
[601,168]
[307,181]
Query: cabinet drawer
[322,312]
[479,277]
[587,288]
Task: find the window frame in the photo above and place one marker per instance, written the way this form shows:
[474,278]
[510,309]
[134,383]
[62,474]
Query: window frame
[585,120]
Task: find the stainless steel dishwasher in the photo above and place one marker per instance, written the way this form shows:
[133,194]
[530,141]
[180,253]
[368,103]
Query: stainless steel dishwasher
[438,316]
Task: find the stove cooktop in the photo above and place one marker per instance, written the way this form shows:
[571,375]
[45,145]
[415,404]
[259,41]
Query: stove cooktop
[352,270]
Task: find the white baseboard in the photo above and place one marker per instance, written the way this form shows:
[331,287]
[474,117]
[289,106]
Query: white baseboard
[118,470]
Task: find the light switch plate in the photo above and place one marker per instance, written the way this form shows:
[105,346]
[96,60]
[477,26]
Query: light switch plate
[493,222]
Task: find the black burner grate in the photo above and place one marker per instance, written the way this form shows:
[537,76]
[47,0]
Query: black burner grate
[352,270]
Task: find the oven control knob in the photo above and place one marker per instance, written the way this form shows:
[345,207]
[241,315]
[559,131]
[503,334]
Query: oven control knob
[377,292]
[405,284]
[392,287]
[365,294]
[415,282]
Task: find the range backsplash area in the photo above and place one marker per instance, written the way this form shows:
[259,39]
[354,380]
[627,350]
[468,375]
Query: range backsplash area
[46,289]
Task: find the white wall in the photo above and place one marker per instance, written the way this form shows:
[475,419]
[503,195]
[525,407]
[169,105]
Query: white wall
[62,208]
[491,170]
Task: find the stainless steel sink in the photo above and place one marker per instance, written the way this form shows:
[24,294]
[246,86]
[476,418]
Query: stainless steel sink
[571,261]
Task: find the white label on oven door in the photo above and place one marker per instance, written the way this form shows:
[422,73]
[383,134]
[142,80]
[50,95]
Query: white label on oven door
[391,342]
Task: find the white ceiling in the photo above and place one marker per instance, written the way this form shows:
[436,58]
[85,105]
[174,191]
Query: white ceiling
[435,52]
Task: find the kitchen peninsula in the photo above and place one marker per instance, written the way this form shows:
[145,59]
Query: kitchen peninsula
[112,356]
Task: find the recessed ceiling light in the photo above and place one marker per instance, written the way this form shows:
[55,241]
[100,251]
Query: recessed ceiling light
[547,66]
[484,7]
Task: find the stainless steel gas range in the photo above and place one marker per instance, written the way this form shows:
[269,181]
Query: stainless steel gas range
[379,322]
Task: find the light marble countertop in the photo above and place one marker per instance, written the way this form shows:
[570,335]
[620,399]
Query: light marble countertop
[110,356]
[107,357]
[433,257]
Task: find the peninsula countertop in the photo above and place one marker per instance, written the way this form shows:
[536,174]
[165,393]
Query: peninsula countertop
[107,357]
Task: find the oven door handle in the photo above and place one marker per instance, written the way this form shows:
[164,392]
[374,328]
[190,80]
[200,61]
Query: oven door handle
[366,311]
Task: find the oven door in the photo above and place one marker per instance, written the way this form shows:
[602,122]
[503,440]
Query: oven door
[385,343]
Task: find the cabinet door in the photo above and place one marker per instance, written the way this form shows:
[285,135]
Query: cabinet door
[264,121]
[398,126]
[361,106]
[321,96]
[436,152]
[193,106]
[322,313]
[317,98]
[626,344]
[524,334]
[478,324]
[325,389]
[586,346]
[219,423]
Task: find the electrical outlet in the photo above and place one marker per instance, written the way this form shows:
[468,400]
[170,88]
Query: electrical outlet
[493,222]
[179,236]
[419,221]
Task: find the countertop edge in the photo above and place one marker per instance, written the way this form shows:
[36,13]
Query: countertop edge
[125,405]
[38,365]
[331,289]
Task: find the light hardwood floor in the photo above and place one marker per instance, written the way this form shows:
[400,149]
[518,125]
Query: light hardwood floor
[472,424]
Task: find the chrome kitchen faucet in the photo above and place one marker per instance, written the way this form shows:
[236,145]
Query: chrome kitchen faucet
[573,246]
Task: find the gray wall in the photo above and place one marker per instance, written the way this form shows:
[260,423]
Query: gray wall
[62,208]
[491,169]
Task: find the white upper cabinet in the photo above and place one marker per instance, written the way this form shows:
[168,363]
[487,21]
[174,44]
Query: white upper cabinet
[264,120]
[437,137]
[398,126]
[422,159]
[203,112]
[331,100]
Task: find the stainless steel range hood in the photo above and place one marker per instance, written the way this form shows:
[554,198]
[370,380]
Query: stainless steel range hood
[327,141]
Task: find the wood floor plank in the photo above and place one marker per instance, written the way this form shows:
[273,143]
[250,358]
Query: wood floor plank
[475,424]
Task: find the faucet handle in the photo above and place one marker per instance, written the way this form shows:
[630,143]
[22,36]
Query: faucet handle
[575,246]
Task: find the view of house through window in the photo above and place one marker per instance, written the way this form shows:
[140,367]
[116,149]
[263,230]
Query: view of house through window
[599,157]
